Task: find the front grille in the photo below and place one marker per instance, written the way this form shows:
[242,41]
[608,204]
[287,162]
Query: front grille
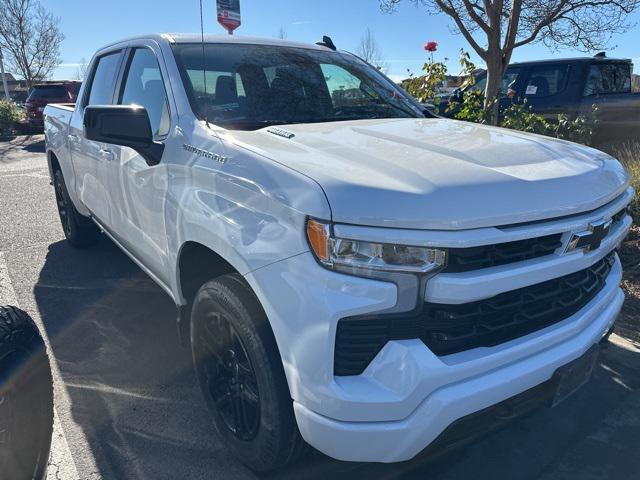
[454,328]
[448,329]
[474,258]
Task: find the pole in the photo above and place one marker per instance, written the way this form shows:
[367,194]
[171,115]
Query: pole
[4,79]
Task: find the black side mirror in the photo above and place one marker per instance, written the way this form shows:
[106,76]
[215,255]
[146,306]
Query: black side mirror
[124,125]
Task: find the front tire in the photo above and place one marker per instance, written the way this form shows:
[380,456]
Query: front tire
[80,231]
[239,370]
[26,398]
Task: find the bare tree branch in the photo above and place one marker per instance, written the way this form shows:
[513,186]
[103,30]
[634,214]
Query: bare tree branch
[369,50]
[31,37]
[496,27]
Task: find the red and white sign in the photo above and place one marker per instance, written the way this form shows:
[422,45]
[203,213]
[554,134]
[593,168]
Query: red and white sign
[229,14]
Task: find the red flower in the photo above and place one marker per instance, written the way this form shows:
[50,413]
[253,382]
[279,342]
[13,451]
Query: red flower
[431,46]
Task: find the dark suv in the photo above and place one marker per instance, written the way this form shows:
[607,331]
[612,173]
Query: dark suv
[572,86]
[43,94]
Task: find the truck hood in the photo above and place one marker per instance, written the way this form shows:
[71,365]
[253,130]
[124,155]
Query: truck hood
[441,174]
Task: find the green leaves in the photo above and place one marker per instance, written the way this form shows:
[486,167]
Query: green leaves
[10,115]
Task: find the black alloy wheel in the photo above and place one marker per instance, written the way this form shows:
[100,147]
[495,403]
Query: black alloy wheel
[230,378]
[63,207]
[240,372]
[80,231]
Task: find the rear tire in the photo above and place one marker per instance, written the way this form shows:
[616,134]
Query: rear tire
[80,231]
[240,372]
[26,398]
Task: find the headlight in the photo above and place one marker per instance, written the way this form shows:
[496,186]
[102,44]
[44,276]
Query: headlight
[339,253]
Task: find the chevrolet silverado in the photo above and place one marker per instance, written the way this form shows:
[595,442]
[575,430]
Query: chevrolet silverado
[349,271]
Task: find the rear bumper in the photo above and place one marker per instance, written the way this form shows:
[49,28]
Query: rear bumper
[453,399]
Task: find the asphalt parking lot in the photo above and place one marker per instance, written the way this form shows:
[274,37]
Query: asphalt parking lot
[127,400]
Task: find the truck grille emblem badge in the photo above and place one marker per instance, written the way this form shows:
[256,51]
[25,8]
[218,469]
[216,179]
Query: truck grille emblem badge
[589,239]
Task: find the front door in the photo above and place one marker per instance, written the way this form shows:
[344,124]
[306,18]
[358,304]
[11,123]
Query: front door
[137,191]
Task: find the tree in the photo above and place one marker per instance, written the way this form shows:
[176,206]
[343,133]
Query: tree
[81,74]
[282,34]
[30,37]
[495,28]
[369,50]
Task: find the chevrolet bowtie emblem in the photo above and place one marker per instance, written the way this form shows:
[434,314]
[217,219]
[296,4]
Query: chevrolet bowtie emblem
[589,239]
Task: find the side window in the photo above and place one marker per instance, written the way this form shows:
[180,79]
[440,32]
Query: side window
[509,81]
[103,80]
[481,84]
[608,78]
[144,86]
[545,81]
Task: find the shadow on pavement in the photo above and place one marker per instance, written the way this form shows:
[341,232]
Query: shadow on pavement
[14,148]
[37,145]
[113,334]
[133,393]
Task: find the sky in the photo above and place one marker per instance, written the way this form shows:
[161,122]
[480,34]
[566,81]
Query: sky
[90,24]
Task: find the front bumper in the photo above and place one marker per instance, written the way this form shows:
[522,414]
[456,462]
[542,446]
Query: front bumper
[407,396]
[449,401]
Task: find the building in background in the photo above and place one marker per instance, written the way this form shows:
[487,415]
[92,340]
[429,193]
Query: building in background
[18,90]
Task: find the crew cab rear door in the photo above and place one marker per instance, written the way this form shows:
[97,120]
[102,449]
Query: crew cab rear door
[89,157]
[546,89]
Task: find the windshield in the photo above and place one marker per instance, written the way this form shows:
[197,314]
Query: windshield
[252,86]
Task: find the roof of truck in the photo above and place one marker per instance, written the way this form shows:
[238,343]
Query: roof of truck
[234,39]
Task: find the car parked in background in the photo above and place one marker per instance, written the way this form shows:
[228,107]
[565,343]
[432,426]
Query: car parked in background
[43,94]
[571,86]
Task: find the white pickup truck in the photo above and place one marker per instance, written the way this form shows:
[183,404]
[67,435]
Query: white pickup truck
[348,270]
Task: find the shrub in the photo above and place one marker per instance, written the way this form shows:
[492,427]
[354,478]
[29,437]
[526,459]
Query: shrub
[10,116]
[579,130]
[424,87]
[520,117]
[471,109]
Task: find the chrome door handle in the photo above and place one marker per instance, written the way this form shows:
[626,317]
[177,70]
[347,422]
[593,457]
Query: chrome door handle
[72,138]
[107,154]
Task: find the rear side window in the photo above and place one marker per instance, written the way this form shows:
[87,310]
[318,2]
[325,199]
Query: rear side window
[545,81]
[104,79]
[608,78]
[144,86]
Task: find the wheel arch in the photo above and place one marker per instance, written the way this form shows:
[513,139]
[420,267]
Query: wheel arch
[196,264]
[53,163]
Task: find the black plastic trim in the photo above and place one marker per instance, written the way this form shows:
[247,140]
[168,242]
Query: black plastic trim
[446,328]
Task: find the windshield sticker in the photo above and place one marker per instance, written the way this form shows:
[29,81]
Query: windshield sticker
[531,90]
